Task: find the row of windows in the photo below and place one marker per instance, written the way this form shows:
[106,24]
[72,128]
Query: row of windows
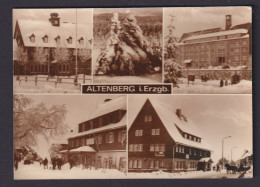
[214,38]
[153,132]
[153,164]
[180,149]
[109,138]
[57,39]
[182,165]
[193,138]
[113,117]
[153,147]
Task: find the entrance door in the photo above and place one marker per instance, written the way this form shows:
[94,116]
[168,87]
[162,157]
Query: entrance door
[221,60]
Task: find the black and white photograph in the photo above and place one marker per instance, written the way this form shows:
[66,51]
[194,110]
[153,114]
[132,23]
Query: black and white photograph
[52,50]
[190,136]
[207,50]
[70,136]
[127,46]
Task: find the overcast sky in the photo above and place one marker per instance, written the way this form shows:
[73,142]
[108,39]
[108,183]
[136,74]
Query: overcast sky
[84,16]
[216,116]
[190,19]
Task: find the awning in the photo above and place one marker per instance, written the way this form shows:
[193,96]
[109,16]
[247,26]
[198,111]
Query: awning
[187,61]
[206,160]
[86,149]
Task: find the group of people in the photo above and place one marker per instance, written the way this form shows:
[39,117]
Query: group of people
[55,161]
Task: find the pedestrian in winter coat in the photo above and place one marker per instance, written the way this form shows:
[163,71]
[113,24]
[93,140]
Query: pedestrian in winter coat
[226,82]
[54,163]
[221,83]
[45,163]
[71,163]
[59,163]
[218,169]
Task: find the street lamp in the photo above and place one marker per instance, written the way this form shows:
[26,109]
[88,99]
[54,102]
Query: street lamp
[223,150]
[232,151]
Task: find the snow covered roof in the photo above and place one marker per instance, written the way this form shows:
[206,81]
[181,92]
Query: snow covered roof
[208,159]
[170,119]
[220,33]
[82,149]
[63,151]
[109,106]
[41,28]
[121,123]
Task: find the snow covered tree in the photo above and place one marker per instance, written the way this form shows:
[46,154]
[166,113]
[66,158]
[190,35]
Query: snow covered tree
[21,56]
[40,55]
[32,121]
[170,42]
[61,54]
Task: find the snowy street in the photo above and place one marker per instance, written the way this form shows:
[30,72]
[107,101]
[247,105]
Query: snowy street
[212,87]
[35,171]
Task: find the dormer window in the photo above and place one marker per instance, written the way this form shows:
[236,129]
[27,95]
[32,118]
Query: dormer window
[32,38]
[57,39]
[81,41]
[45,39]
[69,40]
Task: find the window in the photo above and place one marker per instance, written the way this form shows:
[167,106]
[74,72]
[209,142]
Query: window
[182,149]
[99,139]
[140,147]
[57,39]
[69,40]
[185,136]
[161,163]
[157,164]
[130,164]
[155,131]
[152,147]
[110,137]
[157,147]
[32,38]
[195,152]
[100,122]
[177,149]
[200,153]
[138,132]
[162,148]
[190,151]
[139,164]
[45,39]
[135,164]
[147,118]
[81,41]
[131,147]
[136,147]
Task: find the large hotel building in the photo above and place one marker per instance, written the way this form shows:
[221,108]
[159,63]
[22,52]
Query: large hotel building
[216,47]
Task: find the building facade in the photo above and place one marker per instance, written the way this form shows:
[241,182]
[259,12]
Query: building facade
[101,140]
[50,47]
[230,46]
[160,139]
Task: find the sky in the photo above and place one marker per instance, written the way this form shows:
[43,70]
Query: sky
[216,117]
[84,16]
[190,19]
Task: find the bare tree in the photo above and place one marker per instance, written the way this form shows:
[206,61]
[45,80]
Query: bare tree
[32,121]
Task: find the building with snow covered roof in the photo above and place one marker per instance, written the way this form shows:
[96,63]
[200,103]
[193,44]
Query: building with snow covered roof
[230,46]
[48,36]
[161,138]
[101,140]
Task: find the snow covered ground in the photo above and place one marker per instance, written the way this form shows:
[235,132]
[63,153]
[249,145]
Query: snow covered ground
[35,171]
[154,78]
[66,86]
[212,87]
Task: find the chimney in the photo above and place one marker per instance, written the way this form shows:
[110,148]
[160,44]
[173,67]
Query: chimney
[107,100]
[54,20]
[228,22]
[178,112]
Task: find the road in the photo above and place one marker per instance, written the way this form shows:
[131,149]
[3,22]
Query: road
[217,175]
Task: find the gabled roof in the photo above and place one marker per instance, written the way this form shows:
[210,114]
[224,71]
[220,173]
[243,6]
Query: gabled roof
[109,106]
[41,28]
[170,119]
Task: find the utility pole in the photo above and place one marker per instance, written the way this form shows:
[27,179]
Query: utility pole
[76,40]
[223,150]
